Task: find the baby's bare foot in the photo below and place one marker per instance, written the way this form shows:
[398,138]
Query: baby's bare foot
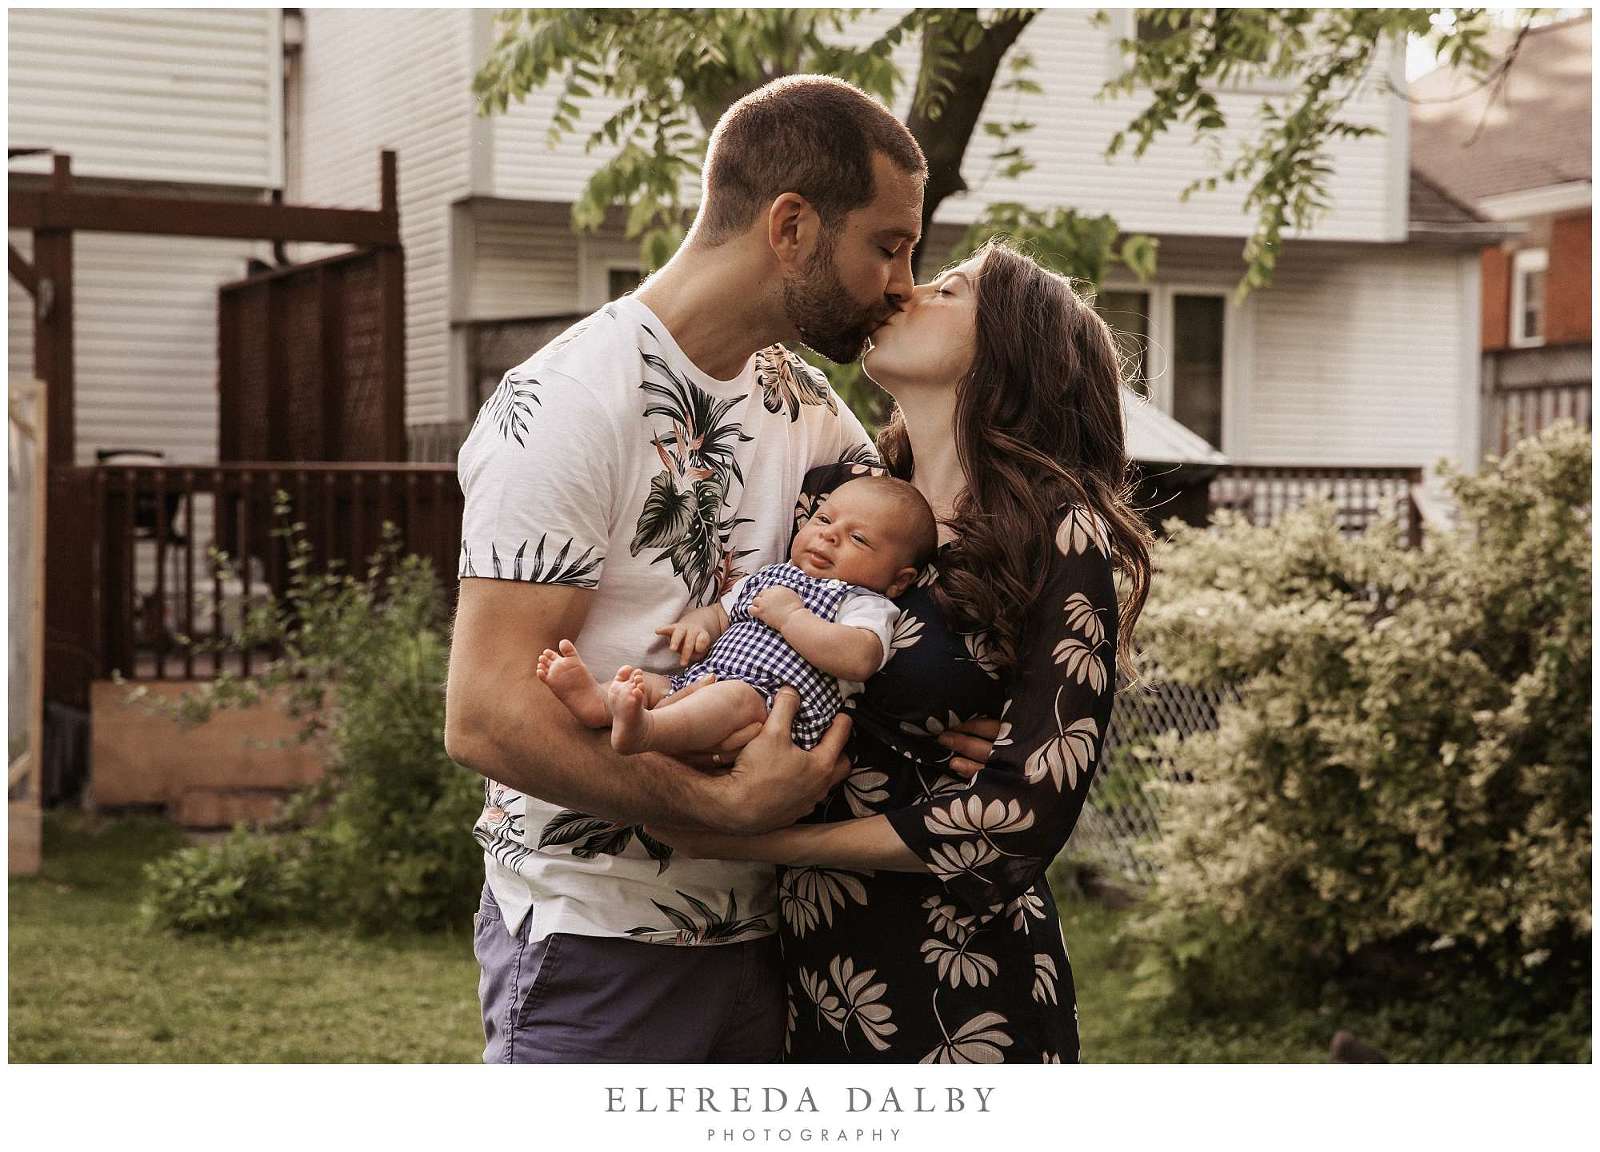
[569,678]
[631,722]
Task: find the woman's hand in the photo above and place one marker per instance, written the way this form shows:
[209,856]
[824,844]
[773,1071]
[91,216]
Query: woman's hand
[774,606]
[972,744]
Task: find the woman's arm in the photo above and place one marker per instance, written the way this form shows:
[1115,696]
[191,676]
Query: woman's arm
[868,842]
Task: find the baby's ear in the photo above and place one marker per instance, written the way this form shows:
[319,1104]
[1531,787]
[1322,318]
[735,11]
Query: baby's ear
[902,581]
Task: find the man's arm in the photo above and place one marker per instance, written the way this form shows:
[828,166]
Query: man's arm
[504,724]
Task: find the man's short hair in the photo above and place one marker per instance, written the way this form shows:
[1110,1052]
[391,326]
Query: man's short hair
[811,135]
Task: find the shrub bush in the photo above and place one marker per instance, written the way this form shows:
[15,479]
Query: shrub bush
[1401,796]
[385,841]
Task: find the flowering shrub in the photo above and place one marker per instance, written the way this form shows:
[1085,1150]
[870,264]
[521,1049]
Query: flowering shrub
[1403,789]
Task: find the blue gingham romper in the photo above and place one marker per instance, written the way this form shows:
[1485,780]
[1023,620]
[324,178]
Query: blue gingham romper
[751,652]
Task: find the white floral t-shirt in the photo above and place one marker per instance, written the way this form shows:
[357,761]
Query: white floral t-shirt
[608,461]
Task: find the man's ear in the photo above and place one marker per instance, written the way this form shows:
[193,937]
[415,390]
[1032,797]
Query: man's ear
[792,228]
[902,581]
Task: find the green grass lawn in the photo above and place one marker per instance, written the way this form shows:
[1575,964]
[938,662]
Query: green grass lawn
[88,983]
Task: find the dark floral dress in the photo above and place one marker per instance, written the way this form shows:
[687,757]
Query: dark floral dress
[963,963]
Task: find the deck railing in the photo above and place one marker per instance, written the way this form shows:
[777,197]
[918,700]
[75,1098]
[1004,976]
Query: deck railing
[155,597]
[155,526]
[1361,495]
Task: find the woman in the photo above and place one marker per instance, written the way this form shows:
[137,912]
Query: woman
[917,924]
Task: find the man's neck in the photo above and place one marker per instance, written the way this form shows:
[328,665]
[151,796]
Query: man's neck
[718,305]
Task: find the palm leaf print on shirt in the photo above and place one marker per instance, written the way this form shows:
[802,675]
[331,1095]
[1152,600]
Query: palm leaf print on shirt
[789,382]
[683,515]
[511,406]
[577,572]
[591,836]
[701,924]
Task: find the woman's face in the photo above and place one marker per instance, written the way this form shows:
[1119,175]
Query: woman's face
[932,339]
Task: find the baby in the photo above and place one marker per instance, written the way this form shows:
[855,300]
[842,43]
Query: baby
[821,623]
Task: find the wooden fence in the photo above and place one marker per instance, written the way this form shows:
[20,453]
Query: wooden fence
[150,577]
[1361,495]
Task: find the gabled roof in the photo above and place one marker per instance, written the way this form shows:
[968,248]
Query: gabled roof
[1153,437]
[1536,133]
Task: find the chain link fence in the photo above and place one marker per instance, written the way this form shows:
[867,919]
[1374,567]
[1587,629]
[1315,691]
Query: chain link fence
[1122,814]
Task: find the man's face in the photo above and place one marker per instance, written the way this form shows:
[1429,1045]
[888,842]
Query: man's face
[857,275]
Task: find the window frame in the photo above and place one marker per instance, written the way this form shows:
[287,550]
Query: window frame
[1159,359]
[1523,262]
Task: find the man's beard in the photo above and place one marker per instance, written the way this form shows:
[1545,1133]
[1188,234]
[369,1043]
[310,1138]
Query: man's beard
[823,314]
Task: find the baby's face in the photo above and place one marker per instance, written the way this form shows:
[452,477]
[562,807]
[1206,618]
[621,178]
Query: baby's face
[852,536]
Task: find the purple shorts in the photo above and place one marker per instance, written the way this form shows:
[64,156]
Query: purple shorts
[609,1000]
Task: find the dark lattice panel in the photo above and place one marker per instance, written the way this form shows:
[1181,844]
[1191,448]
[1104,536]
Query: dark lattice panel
[251,373]
[302,368]
[361,410]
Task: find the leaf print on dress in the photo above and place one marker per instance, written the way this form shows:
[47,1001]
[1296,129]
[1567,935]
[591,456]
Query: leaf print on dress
[827,1004]
[957,965]
[1030,905]
[864,790]
[862,1002]
[1084,617]
[1079,529]
[1044,978]
[948,920]
[511,406]
[1065,755]
[978,1041]
[1083,665]
[808,896]
[982,651]
[789,382]
[971,817]
[947,860]
[907,631]
[703,924]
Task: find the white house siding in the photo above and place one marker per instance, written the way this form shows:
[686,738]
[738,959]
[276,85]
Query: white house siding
[1357,358]
[192,95]
[525,262]
[1073,60]
[401,80]
[144,339]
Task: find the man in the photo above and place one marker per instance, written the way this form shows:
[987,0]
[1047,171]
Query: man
[629,471]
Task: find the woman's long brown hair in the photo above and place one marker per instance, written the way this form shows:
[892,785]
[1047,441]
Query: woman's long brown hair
[1038,426]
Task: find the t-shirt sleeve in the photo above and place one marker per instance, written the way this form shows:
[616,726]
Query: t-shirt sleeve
[876,613]
[539,478]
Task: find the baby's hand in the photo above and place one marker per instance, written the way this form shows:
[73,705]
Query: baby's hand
[690,638]
[774,606]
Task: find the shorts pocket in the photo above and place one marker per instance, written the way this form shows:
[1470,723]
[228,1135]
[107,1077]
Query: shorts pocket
[549,954]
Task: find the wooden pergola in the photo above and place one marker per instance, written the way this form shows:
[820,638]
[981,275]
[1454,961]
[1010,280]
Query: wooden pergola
[59,209]
[55,208]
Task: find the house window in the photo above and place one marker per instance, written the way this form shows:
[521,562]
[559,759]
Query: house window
[1197,363]
[1527,297]
[620,280]
[1128,316]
